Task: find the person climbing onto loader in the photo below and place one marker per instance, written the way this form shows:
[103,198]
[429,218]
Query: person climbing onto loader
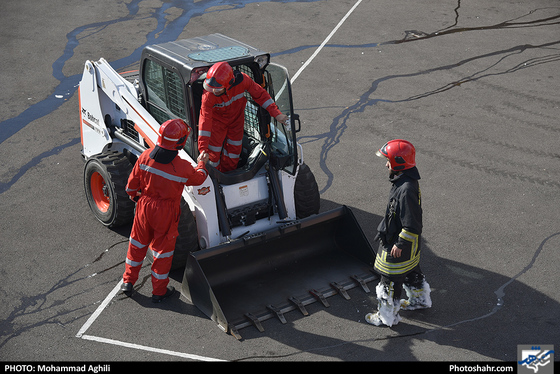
[222,113]
[398,256]
[156,183]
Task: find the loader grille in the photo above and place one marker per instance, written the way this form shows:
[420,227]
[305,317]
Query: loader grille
[128,129]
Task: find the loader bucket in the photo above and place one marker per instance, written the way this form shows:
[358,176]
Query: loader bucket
[250,280]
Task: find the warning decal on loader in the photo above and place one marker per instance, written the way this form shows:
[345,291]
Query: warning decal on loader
[203,190]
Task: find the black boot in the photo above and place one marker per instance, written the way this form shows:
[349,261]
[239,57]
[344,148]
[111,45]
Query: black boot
[127,289]
[160,298]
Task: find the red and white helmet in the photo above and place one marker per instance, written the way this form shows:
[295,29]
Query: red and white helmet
[173,134]
[219,76]
[400,153]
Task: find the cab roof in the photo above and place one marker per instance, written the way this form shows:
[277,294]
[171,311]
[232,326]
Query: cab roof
[201,51]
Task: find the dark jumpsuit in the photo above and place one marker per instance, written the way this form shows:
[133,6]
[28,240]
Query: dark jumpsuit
[401,226]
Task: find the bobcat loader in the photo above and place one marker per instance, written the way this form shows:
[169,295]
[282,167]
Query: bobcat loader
[252,242]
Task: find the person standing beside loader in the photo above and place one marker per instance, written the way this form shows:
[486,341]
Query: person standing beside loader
[399,234]
[156,183]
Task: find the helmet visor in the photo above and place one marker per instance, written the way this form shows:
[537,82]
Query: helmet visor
[382,152]
[211,85]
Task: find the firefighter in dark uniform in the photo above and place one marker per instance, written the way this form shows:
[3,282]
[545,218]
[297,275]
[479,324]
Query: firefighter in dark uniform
[398,256]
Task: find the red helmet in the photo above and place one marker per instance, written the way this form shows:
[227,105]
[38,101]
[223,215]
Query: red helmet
[218,77]
[400,153]
[173,134]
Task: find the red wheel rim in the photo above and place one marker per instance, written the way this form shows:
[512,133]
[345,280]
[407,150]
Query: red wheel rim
[99,192]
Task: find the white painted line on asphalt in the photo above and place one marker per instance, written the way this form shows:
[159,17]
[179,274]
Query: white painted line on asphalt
[149,349]
[81,333]
[325,41]
[98,311]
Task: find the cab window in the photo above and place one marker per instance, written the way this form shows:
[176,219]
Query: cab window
[165,95]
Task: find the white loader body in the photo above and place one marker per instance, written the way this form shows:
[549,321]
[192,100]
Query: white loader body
[105,94]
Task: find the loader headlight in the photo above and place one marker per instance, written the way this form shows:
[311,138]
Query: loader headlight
[262,61]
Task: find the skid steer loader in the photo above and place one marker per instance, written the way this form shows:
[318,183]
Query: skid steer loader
[252,242]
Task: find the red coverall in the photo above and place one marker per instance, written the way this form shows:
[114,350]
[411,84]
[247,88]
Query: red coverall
[222,118]
[157,214]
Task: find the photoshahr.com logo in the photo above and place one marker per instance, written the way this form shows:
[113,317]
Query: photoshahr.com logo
[535,359]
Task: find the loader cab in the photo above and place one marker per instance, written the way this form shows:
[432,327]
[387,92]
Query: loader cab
[171,81]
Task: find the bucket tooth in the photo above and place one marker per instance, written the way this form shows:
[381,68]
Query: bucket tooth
[277,312]
[255,321]
[362,283]
[320,297]
[300,305]
[233,331]
[340,290]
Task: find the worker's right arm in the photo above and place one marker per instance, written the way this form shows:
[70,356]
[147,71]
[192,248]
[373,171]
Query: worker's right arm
[198,174]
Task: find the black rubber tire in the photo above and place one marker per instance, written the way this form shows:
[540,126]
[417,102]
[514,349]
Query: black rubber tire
[306,193]
[105,179]
[187,241]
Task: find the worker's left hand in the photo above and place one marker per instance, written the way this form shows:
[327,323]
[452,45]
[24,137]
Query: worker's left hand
[282,118]
[396,251]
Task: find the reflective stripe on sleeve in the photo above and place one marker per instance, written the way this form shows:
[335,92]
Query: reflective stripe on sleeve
[171,177]
[267,103]
[411,237]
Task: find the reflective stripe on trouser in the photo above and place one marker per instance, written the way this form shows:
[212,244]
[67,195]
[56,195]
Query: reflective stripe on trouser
[161,267]
[155,225]
[226,144]
[134,260]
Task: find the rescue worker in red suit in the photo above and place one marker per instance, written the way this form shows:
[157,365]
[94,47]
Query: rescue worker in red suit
[156,183]
[222,114]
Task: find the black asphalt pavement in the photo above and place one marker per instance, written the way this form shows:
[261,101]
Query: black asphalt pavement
[474,85]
